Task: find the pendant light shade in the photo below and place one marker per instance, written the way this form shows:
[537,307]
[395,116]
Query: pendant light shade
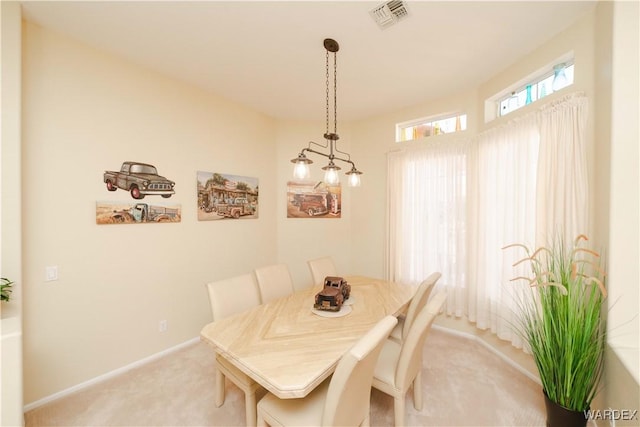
[301,169]
[331,176]
[354,177]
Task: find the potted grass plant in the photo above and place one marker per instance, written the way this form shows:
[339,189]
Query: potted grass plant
[563,321]
[5,289]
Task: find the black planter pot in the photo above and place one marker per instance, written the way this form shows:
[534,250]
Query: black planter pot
[559,416]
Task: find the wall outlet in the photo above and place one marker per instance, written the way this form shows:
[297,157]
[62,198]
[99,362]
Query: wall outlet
[51,273]
[162,326]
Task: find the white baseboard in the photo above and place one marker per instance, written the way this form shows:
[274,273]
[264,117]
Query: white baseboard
[100,378]
[494,350]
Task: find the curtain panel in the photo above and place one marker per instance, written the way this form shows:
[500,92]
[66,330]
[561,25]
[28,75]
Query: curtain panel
[453,205]
[562,180]
[427,217]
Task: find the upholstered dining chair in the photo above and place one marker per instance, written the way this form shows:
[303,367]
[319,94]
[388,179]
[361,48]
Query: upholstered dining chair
[417,303]
[400,364]
[321,268]
[341,400]
[274,282]
[228,297]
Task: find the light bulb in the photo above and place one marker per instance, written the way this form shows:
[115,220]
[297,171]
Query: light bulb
[331,176]
[354,180]
[301,170]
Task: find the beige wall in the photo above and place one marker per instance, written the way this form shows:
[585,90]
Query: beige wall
[10,166]
[11,402]
[622,372]
[624,236]
[86,111]
[117,282]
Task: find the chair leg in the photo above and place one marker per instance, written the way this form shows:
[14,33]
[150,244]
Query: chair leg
[417,392]
[219,388]
[250,408]
[398,410]
[261,422]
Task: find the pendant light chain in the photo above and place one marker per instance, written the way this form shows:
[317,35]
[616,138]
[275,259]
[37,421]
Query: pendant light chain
[301,170]
[327,90]
[335,93]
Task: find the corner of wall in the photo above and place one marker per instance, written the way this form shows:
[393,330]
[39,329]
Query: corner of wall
[11,388]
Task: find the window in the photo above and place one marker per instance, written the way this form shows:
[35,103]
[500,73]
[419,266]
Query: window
[558,78]
[546,80]
[428,201]
[428,126]
[452,206]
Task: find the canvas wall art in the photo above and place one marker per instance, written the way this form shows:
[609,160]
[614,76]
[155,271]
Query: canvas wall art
[137,213]
[139,179]
[313,200]
[226,196]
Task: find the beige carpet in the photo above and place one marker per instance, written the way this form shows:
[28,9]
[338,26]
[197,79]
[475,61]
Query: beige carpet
[464,385]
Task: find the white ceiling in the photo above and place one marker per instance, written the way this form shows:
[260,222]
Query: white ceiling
[269,55]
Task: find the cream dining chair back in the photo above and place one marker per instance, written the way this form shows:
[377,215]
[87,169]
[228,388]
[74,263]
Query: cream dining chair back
[228,297]
[417,303]
[341,400]
[321,268]
[400,364]
[274,282]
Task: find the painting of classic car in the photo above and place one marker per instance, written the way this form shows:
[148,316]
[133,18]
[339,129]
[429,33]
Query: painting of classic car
[334,293]
[136,213]
[313,200]
[222,196]
[139,179]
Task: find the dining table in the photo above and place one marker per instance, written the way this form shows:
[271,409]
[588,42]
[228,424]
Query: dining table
[289,347]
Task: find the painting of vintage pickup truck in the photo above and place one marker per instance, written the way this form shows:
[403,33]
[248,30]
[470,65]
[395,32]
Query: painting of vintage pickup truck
[137,213]
[222,196]
[313,200]
[140,180]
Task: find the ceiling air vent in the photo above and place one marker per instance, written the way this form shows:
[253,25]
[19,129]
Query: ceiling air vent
[388,13]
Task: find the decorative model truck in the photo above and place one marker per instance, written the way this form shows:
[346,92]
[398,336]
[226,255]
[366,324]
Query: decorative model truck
[335,292]
[236,208]
[140,179]
[142,212]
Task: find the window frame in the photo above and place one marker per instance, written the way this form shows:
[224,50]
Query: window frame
[492,107]
[433,125]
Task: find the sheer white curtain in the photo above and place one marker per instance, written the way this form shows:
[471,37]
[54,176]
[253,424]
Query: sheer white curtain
[427,217]
[502,211]
[454,205]
[562,202]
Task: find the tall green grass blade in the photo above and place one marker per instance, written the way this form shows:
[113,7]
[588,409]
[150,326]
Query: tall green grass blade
[562,320]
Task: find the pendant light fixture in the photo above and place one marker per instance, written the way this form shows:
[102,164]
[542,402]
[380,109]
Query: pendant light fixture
[302,162]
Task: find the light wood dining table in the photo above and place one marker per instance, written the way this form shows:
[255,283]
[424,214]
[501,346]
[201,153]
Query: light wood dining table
[288,349]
